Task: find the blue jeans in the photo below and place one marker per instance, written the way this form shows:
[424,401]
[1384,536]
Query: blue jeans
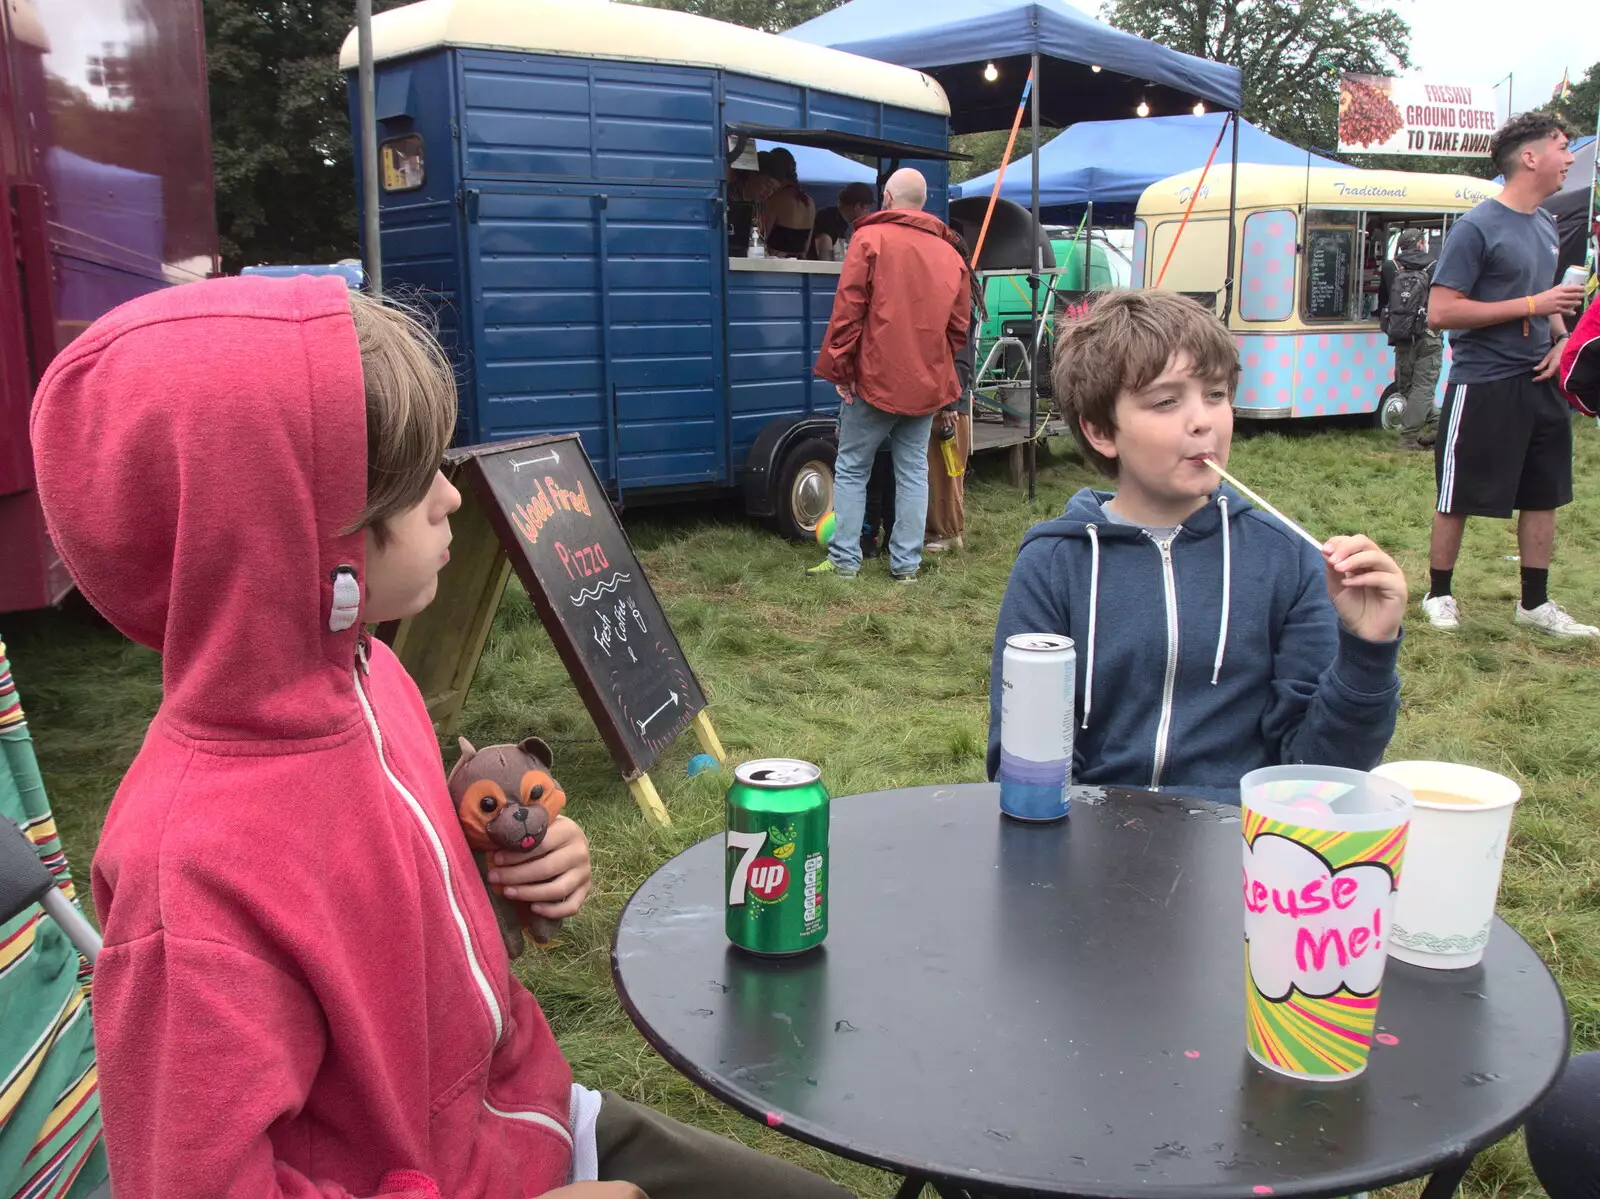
[862,429]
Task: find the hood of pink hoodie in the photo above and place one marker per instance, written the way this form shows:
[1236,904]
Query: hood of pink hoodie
[212,530]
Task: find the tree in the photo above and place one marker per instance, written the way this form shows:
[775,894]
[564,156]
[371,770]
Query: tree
[280,130]
[773,16]
[1290,52]
[1579,109]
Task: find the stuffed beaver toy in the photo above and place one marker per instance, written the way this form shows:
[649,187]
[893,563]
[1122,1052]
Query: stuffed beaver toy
[506,799]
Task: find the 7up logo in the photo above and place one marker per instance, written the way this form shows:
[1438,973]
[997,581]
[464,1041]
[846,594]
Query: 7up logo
[767,878]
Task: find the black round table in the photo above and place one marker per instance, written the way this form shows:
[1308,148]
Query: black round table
[1058,1009]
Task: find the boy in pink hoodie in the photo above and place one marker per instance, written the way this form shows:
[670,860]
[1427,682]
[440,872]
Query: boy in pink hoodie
[303,992]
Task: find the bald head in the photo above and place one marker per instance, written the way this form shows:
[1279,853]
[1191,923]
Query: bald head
[906,189]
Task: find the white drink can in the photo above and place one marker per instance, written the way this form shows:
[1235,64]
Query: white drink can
[1575,276]
[1038,677]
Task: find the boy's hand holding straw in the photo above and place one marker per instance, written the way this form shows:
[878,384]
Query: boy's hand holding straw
[1366,585]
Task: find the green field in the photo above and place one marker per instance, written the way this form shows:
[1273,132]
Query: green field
[885,685]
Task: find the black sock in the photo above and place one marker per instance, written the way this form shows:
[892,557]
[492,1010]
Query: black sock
[1439,582]
[1535,587]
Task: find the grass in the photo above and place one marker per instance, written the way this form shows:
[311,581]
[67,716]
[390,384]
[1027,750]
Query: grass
[886,685]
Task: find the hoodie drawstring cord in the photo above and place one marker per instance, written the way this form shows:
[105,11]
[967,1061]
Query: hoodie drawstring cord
[1227,589]
[1094,612]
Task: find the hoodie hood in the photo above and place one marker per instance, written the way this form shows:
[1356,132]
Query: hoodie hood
[198,480]
[1414,260]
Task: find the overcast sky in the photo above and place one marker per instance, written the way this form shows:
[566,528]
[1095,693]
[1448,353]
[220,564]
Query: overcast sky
[1481,41]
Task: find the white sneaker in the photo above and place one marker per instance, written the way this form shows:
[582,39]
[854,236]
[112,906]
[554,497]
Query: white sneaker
[941,544]
[1552,619]
[1442,612]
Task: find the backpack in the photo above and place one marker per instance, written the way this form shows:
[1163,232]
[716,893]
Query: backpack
[1408,304]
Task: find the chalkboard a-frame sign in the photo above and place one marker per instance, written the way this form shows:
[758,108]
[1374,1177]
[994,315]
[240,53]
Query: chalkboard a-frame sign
[568,548]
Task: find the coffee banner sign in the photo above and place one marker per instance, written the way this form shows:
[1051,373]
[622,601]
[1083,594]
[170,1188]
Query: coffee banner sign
[1409,114]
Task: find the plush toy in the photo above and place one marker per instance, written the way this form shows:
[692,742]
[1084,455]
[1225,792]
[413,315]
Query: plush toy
[506,799]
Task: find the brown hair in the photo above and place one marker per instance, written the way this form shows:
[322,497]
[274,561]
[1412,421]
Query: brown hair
[1510,138]
[856,193]
[1123,345]
[411,408]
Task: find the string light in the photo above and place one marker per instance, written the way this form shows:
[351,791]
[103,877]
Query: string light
[991,72]
[1199,108]
[1096,70]
[1143,110]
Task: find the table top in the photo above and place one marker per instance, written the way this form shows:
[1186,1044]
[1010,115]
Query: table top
[1059,1009]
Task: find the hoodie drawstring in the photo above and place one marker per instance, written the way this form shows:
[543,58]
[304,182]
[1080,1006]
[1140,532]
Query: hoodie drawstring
[1227,590]
[1094,612]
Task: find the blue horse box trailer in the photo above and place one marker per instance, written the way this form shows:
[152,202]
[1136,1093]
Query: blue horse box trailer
[555,183]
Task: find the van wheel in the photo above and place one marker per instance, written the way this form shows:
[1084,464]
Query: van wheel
[1391,409]
[804,494]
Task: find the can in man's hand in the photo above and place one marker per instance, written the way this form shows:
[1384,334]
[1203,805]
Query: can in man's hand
[776,853]
[1038,677]
[1575,276]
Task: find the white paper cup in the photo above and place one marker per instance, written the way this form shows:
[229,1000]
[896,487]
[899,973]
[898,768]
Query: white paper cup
[1454,857]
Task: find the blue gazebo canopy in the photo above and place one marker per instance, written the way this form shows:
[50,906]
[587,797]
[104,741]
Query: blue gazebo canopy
[954,40]
[1110,163]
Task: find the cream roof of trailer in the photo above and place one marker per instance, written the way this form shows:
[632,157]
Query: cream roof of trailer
[633,33]
[1321,187]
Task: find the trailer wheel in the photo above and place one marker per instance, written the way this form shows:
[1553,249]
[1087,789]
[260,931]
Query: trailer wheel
[804,494]
[1391,409]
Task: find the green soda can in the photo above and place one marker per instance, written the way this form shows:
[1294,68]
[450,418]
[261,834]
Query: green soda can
[777,857]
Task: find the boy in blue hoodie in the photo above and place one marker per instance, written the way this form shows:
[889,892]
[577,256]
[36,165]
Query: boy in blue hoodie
[1211,640]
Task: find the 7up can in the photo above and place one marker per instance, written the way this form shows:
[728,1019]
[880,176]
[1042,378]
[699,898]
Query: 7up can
[777,857]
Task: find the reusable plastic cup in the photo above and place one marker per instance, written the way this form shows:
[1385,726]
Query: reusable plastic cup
[1322,853]
[1457,848]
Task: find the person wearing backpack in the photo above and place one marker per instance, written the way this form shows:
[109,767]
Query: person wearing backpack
[1418,350]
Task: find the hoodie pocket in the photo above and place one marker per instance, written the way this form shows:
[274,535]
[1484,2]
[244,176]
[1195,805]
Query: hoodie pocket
[498,1152]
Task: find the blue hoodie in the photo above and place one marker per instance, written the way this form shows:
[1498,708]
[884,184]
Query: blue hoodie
[1193,673]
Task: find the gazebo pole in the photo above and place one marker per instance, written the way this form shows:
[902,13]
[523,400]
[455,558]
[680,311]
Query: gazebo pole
[367,106]
[1233,208]
[1033,289]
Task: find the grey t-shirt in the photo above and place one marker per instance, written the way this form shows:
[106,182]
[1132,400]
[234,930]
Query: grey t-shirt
[1497,253]
[1157,532]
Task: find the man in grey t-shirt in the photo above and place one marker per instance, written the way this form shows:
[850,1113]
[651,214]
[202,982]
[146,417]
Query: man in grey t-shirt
[1506,434]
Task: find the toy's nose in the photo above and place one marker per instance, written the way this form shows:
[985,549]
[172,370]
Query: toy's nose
[520,814]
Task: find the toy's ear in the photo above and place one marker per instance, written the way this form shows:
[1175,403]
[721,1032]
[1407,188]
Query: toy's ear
[537,748]
[467,751]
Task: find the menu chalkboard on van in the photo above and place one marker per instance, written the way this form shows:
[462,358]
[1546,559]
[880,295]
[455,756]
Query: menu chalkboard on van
[568,548]
[1330,254]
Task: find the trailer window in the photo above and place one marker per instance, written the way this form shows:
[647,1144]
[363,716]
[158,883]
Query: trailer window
[1331,263]
[403,162]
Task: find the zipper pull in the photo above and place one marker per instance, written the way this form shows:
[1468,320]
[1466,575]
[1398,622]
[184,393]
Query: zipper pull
[361,652]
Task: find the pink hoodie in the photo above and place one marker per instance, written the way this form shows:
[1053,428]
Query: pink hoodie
[303,992]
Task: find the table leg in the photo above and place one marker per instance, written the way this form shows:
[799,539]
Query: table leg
[911,1188]
[1445,1180]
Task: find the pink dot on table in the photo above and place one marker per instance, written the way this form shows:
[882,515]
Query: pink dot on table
[1268,378]
[1344,375]
[774,1119]
[1306,395]
[1191,1053]
[1255,283]
[1275,230]
[1371,374]
[1387,1038]
[1372,339]
[1285,361]
[1269,342]
[1322,376]
[1252,359]
[1321,410]
[1256,249]
[1359,357]
[1273,266]
[1333,358]
[1262,1190]
[1249,395]
[1323,341]
[1349,339]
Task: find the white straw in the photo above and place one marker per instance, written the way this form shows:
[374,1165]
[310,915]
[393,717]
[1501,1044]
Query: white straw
[1261,503]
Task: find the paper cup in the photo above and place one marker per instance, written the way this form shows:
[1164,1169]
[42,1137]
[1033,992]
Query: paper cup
[1322,854]
[1443,913]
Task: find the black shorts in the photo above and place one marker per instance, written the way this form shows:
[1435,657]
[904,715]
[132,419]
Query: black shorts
[1503,446]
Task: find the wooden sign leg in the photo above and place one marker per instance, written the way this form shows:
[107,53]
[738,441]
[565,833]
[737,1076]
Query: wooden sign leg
[644,794]
[708,737]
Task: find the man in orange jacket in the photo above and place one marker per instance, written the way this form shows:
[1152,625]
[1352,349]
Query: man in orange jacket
[899,317]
